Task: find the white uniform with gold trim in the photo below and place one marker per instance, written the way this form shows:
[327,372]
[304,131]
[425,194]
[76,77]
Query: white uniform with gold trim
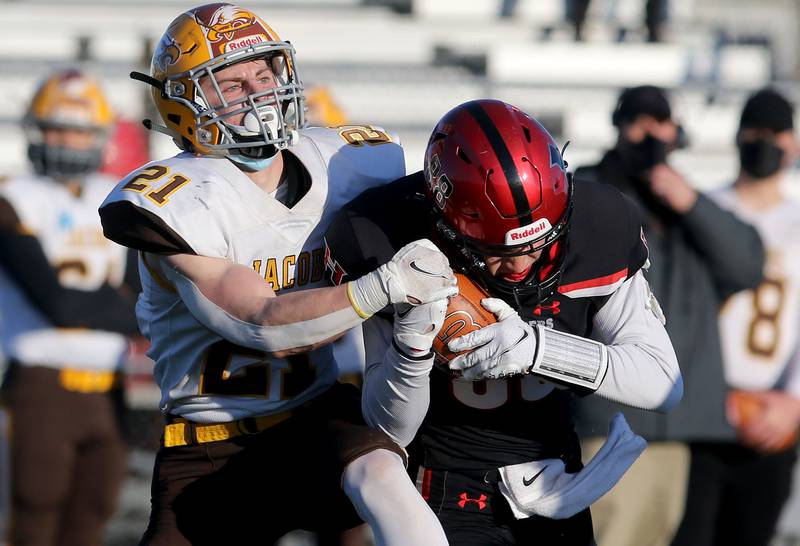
[69,231]
[219,212]
[760,329]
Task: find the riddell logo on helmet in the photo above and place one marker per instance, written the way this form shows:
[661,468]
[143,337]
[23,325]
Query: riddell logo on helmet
[244,42]
[527,233]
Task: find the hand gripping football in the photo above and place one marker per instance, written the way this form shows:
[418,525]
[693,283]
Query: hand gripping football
[465,314]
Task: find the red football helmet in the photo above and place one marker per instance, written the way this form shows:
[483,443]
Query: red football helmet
[500,187]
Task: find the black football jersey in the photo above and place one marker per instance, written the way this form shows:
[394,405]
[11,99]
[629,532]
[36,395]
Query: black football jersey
[486,424]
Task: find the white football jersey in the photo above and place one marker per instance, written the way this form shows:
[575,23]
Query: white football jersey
[760,328]
[69,230]
[219,212]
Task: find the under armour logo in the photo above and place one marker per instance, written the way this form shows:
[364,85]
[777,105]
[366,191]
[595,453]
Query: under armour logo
[552,307]
[464,499]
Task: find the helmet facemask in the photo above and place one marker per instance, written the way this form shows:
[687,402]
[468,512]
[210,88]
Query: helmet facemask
[544,276]
[269,119]
[64,161]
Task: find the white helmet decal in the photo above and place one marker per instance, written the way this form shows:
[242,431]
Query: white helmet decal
[523,234]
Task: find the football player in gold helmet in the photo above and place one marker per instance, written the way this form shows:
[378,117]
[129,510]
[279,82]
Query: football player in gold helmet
[235,305]
[247,113]
[67,125]
[67,299]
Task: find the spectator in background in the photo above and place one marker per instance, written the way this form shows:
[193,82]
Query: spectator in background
[699,253]
[507,8]
[738,488]
[67,303]
[655,16]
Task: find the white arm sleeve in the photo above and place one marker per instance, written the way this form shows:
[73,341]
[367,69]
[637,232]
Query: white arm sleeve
[643,370]
[396,390]
[269,339]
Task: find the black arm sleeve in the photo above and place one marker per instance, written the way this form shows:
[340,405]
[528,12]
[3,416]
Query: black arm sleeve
[22,257]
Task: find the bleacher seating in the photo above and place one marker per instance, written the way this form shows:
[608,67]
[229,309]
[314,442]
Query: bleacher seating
[403,71]
[401,64]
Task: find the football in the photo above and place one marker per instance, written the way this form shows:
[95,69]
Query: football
[465,314]
[747,406]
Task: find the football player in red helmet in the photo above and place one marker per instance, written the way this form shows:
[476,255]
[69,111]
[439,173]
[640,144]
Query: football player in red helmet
[503,213]
[499,460]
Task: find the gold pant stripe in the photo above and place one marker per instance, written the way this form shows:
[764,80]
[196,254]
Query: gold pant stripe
[183,433]
[88,381]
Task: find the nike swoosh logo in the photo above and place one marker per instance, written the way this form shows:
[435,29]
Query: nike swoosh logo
[413,265]
[402,314]
[520,340]
[526,483]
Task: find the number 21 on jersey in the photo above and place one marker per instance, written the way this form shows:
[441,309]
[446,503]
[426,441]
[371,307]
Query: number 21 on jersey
[254,374]
[143,182]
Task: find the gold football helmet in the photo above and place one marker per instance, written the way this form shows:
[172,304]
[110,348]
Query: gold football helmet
[198,44]
[68,101]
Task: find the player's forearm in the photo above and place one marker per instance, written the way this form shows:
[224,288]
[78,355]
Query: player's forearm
[396,395]
[235,303]
[105,308]
[298,306]
[644,377]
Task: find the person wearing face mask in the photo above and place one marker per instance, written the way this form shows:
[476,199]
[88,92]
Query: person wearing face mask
[699,254]
[738,488]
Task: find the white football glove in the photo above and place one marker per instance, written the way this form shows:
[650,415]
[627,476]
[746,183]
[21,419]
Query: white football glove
[506,347]
[415,327]
[418,273]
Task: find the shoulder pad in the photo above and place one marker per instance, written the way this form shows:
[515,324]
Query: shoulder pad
[367,150]
[606,242]
[369,230]
[171,206]
[29,196]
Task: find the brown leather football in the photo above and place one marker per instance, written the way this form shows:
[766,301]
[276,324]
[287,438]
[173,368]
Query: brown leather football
[465,314]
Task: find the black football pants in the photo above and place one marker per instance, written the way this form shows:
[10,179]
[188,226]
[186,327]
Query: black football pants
[735,495]
[475,513]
